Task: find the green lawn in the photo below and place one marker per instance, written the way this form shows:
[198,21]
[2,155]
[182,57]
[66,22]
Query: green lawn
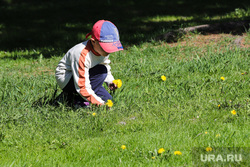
[191,108]
[148,113]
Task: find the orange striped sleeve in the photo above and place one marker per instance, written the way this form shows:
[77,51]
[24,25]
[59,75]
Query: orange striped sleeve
[82,78]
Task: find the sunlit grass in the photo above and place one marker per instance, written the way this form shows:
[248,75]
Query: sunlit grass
[173,97]
[236,14]
[167,18]
[148,113]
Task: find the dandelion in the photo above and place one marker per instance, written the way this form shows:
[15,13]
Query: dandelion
[218,135]
[94,114]
[205,132]
[234,112]
[161,150]
[222,78]
[109,103]
[218,105]
[163,77]
[177,153]
[209,149]
[242,73]
[118,83]
[123,147]
[153,157]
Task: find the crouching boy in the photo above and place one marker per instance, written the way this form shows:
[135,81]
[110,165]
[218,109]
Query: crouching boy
[85,67]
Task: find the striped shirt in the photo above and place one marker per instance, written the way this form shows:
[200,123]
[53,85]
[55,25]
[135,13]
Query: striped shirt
[77,62]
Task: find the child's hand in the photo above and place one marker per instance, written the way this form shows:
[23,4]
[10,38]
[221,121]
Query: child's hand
[112,86]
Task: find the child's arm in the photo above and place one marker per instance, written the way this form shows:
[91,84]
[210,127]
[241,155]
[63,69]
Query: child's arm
[109,79]
[80,70]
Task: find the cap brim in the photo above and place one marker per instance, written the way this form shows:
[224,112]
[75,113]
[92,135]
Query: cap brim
[111,47]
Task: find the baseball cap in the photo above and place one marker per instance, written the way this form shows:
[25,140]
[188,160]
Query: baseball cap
[107,34]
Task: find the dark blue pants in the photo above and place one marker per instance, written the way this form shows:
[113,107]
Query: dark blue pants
[97,76]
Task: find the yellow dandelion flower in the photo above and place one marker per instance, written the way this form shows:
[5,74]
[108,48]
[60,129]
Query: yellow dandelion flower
[218,105]
[205,132]
[209,149]
[161,150]
[177,153]
[242,73]
[222,78]
[234,112]
[163,77]
[118,83]
[109,103]
[218,135]
[123,147]
[153,157]
[94,114]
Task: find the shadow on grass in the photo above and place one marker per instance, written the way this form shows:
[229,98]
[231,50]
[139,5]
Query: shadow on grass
[53,26]
[74,101]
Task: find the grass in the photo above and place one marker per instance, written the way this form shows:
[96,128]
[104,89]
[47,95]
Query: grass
[148,114]
[52,27]
[173,115]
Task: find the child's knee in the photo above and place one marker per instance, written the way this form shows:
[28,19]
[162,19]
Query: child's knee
[107,97]
[98,69]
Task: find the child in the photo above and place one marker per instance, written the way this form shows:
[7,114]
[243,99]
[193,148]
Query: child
[85,67]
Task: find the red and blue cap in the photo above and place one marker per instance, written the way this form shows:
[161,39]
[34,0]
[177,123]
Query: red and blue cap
[108,36]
